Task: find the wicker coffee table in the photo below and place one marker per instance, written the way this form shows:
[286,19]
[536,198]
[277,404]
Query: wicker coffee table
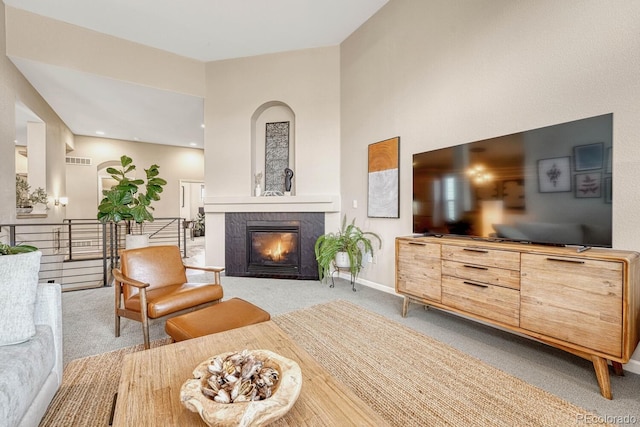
[149,390]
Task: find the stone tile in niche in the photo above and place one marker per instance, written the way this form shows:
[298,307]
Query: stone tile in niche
[276,155]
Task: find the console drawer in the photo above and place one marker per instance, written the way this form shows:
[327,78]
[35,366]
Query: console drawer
[482,256]
[574,299]
[491,302]
[418,269]
[481,273]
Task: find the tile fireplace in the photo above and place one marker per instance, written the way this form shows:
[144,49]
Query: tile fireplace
[272,244]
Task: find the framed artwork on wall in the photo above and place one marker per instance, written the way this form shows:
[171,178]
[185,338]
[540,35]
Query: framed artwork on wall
[384,179]
[554,175]
[588,157]
[589,185]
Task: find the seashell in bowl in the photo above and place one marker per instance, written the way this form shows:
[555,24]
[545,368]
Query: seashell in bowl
[224,397]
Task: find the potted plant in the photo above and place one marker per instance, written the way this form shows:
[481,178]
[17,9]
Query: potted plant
[25,200]
[130,199]
[198,225]
[345,248]
[19,270]
[15,250]
[23,204]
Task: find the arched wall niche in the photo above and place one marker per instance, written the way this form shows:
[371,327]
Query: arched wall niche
[270,112]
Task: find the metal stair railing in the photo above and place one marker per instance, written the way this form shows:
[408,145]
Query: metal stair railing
[81,253]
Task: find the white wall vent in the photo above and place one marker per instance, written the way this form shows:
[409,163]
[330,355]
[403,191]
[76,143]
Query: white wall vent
[81,161]
[81,243]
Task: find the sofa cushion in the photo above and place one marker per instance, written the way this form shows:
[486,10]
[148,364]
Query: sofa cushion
[25,367]
[170,299]
[18,285]
[509,232]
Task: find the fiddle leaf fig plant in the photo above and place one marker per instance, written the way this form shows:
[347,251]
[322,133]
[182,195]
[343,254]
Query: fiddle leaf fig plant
[350,239]
[130,199]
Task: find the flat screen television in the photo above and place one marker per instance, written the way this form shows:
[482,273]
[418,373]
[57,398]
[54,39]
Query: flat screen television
[550,186]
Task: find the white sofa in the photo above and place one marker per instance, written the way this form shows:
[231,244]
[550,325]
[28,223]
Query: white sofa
[31,372]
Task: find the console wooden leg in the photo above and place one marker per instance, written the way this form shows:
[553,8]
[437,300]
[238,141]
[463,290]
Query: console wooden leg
[602,374]
[405,306]
[617,369]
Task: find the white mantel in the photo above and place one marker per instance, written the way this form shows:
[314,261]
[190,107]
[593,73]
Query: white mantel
[216,208]
[308,203]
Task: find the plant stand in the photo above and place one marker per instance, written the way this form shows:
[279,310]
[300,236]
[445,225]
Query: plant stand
[337,269]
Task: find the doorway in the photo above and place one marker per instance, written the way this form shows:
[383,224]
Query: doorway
[191,199]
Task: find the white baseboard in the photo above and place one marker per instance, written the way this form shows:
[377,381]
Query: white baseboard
[633,365]
[373,285]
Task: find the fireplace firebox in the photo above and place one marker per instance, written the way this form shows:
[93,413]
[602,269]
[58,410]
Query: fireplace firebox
[272,247]
[272,244]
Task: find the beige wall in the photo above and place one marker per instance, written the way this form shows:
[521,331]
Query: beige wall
[175,163]
[442,73]
[14,87]
[308,82]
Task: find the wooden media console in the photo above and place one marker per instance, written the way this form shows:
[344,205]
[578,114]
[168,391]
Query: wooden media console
[586,303]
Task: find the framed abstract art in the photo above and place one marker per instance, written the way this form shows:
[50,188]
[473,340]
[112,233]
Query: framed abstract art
[384,179]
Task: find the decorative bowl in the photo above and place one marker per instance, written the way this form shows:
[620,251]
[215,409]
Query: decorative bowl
[251,413]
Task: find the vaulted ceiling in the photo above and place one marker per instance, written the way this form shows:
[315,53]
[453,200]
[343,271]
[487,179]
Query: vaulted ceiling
[205,30]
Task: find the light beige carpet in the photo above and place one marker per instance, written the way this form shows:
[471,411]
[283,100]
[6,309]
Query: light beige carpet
[407,377]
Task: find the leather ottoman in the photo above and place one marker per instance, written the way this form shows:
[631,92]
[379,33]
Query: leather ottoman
[225,315]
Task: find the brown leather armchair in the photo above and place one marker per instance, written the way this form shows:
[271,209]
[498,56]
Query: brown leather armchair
[152,282]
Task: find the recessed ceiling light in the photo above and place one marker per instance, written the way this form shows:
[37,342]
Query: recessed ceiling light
[99,132]
[135,138]
[202,126]
[193,144]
